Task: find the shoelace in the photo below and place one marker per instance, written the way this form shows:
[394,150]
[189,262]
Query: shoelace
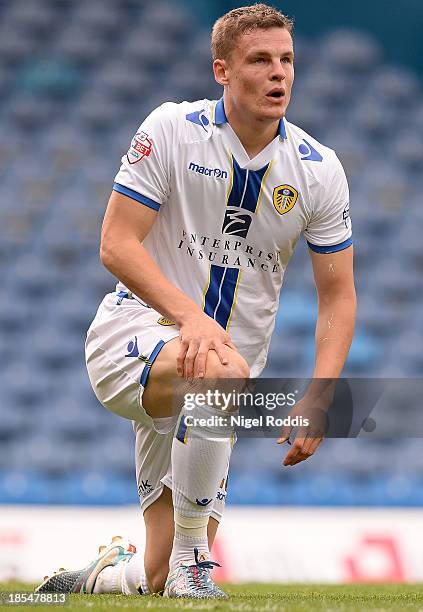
[199,569]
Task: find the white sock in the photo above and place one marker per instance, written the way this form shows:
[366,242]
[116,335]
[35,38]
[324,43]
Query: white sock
[183,549]
[199,461]
[134,580]
[127,577]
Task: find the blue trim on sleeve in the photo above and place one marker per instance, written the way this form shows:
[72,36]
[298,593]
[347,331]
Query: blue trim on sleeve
[146,371]
[331,249]
[136,196]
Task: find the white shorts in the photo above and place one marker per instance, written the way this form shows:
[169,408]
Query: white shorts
[122,343]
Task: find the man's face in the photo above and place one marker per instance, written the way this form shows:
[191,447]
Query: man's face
[260,72]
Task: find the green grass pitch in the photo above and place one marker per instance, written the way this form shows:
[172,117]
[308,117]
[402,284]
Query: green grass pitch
[257,598]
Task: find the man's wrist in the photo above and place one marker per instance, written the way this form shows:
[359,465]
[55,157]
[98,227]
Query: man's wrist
[186,314]
[321,390]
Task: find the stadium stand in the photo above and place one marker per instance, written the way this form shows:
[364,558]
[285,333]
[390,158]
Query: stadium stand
[76,79]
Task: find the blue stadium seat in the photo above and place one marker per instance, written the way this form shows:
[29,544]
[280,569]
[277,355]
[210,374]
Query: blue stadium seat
[74,421]
[365,352]
[200,50]
[54,78]
[25,486]
[352,152]
[97,278]
[372,118]
[377,317]
[395,87]
[81,46]
[40,452]
[408,150]
[397,284]
[122,82]
[191,84]
[74,311]
[56,349]
[5,81]
[287,358]
[117,452]
[159,96]
[96,113]
[14,316]
[98,488]
[408,345]
[32,19]
[327,87]
[297,313]
[143,46]
[14,421]
[105,19]
[28,114]
[15,44]
[352,51]
[63,250]
[313,119]
[168,19]
[32,278]
[22,380]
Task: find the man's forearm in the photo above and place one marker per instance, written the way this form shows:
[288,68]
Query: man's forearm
[334,333]
[130,262]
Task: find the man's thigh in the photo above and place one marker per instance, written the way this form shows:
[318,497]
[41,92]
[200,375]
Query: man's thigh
[123,343]
[164,384]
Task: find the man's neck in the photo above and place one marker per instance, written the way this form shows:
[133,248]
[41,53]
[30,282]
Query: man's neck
[254,135]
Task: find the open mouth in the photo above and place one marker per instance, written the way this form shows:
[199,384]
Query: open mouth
[276,95]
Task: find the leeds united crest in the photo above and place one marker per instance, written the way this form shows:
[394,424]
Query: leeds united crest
[284,198]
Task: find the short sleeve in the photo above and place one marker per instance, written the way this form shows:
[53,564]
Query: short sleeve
[329,228]
[145,171]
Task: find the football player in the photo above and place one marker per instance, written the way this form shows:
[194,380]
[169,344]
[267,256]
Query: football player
[204,215]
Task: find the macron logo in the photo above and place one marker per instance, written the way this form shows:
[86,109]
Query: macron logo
[203,502]
[199,118]
[132,348]
[309,152]
[214,172]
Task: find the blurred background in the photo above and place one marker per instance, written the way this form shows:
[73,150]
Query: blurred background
[76,80]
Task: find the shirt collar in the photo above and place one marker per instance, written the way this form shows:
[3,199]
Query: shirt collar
[219,117]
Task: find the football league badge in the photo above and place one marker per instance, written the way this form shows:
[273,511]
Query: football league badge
[141,146]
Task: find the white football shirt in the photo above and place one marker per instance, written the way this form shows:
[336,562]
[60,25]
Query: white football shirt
[227,224]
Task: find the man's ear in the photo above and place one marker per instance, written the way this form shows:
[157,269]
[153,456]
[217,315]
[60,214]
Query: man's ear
[220,71]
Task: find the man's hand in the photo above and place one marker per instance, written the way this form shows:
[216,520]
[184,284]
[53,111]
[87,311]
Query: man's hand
[308,437]
[199,334]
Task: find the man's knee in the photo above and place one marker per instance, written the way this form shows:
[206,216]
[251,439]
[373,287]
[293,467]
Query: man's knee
[236,368]
[159,394]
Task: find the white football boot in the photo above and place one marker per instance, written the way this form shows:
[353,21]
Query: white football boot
[193,581]
[83,581]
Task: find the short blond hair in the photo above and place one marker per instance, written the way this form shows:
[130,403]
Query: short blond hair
[242,20]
